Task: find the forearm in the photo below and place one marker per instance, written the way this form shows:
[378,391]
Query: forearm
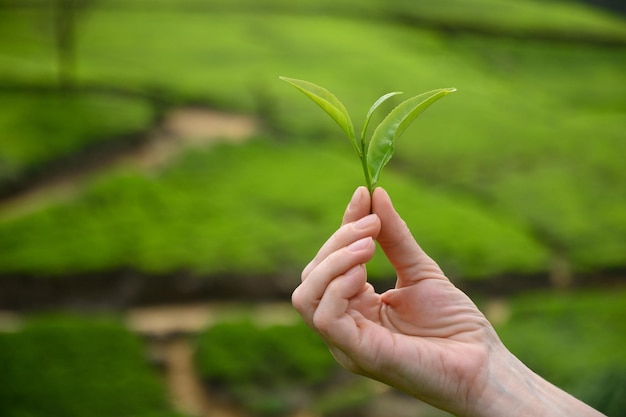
[514,390]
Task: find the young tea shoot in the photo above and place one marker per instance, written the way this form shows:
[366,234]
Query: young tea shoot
[378,150]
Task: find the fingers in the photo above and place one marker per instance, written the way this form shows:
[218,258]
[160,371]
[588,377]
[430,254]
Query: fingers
[322,280]
[340,260]
[334,302]
[358,207]
[356,219]
[410,261]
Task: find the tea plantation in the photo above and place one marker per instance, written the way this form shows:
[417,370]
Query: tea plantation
[514,184]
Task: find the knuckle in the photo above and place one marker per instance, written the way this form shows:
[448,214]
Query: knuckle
[321,322]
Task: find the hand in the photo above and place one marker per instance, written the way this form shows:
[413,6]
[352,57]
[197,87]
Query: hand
[425,336]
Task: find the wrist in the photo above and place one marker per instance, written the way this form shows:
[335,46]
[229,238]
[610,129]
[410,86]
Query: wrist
[512,389]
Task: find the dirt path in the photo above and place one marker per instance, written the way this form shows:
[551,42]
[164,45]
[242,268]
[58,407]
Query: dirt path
[186,393]
[166,320]
[180,129]
[189,127]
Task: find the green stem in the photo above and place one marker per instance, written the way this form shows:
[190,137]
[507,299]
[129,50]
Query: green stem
[366,172]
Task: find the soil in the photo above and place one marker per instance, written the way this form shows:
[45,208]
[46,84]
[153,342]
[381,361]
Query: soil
[186,392]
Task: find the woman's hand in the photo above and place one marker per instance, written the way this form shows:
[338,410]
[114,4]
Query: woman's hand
[425,336]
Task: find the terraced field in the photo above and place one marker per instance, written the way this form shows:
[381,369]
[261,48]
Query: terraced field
[150,155]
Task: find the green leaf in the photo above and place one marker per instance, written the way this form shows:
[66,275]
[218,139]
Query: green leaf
[372,109]
[381,145]
[329,103]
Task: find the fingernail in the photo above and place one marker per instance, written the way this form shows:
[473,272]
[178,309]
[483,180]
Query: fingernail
[364,222]
[359,244]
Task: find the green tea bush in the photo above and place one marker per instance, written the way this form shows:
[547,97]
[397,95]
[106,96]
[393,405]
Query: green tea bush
[77,367]
[571,338]
[606,392]
[268,370]
[40,127]
[245,353]
[550,19]
[273,43]
[532,150]
[555,180]
[259,209]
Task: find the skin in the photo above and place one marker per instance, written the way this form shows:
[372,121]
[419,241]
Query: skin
[425,336]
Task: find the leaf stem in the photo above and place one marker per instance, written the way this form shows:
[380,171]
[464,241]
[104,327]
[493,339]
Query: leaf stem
[366,171]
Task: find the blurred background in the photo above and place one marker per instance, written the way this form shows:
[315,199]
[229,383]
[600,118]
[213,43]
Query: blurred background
[161,190]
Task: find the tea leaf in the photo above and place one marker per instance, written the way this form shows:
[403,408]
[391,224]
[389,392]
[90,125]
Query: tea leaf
[372,109]
[330,104]
[375,154]
[381,145]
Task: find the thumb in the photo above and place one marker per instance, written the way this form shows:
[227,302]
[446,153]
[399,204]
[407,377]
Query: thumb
[411,263]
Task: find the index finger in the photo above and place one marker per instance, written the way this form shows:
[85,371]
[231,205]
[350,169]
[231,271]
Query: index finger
[358,208]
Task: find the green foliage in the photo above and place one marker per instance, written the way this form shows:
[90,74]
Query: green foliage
[570,338]
[244,353]
[376,152]
[532,163]
[268,42]
[330,104]
[570,208]
[230,210]
[381,146]
[264,366]
[217,211]
[468,239]
[607,391]
[550,19]
[76,367]
[40,127]
[553,177]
